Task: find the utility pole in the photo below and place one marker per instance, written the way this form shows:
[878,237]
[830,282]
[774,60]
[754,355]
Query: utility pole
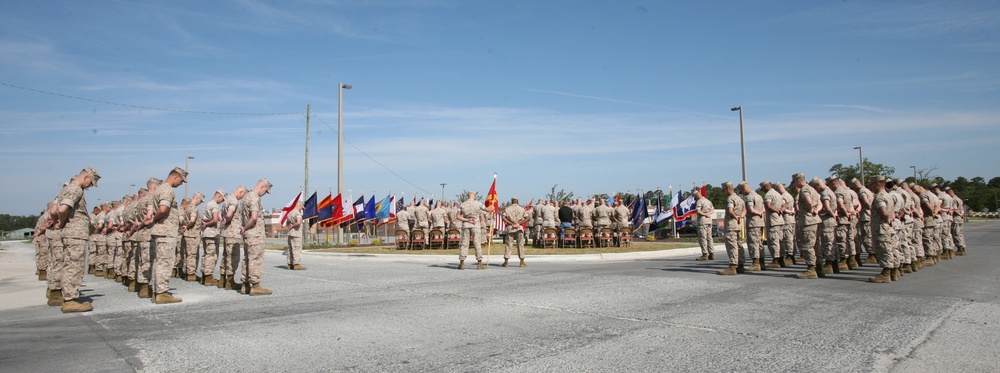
[305,224]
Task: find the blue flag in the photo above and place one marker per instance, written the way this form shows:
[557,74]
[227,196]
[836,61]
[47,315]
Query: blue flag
[639,213]
[370,208]
[309,211]
[383,208]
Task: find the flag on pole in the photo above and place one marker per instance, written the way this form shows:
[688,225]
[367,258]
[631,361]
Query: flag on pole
[639,212]
[491,198]
[359,209]
[370,208]
[288,208]
[383,208]
[498,224]
[660,219]
[686,208]
[325,210]
[310,211]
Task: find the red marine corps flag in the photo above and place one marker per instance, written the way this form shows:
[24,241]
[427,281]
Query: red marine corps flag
[491,197]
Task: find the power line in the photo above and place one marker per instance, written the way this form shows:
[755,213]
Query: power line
[373,159]
[140,106]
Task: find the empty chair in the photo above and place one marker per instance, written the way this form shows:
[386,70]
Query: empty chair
[402,240]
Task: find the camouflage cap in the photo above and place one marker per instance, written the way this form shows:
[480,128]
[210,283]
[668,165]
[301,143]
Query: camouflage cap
[186,200]
[947,189]
[879,179]
[94,176]
[220,192]
[243,188]
[855,181]
[779,185]
[144,190]
[727,184]
[153,181]
[198,195]
[765,183]
[182,172]
[934,186]
[268,185]
[115,203]
[832,178]
[798,176]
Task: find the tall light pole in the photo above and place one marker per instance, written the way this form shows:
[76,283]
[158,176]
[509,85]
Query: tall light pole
[861,164]
[914,173]
[442,191]
[743,149]
[305,191]
[130,189]
[186,170]
[340,145]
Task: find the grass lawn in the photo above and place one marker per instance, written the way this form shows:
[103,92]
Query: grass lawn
[498,247]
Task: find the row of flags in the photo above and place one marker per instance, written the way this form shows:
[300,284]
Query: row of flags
[331,210]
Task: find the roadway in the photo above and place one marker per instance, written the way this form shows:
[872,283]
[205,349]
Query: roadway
[651,313]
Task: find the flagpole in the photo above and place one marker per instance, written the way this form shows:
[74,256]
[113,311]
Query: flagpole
[673,213]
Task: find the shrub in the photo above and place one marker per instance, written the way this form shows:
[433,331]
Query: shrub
[352,243]
[376,241]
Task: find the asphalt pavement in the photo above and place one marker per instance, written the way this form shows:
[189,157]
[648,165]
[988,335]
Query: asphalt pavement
[659,312]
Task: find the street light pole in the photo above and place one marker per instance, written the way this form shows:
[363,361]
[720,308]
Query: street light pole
[861,164]
[340,145]
[130,189]
[743,149]
[186,170]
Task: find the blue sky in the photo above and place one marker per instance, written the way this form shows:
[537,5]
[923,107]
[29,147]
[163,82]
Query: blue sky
[595,96]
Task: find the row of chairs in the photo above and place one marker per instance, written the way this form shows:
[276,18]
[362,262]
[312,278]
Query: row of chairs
[586,237]
[437,239]
[434,239]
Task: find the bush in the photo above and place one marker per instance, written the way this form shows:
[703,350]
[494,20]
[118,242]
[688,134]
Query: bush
[650,238]
[352,243]
[376,241]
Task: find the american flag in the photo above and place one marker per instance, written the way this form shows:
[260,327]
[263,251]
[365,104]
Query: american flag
[498,224]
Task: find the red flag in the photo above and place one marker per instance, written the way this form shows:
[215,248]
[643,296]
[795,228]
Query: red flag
[704,190]
[338,211]
[491,197]
[528,210]
[288,208]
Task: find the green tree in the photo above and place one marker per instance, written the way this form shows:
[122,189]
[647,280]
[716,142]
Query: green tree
[461,197]
[559,196]
[871,169]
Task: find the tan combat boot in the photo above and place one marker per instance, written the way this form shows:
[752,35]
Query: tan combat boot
[119,279]
[729,271]
[828,268]
[961,251]
[73,305]
[790,259]
[702,257]
[209,281]
[191,278]
[893,275]
[55,298]
[299,267]
[523,264]
[871,259]
[132,285]
[711,256]
[810,272]
[165,298]
[505,262]
[913,266]
[461,264]
[256,289]
[776,263]
[752,267]
[228,283]
[480,265]
[905,268]
[221,284]
[290,266]
[144,291]
[42,276]
[882,278]
[90,269]
[928,261]
[842,265]
[857,260]
[100,273]
[109,273]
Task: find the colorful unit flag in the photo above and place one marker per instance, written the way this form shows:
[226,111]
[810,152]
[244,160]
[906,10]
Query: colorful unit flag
[310,211]
[325,211]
